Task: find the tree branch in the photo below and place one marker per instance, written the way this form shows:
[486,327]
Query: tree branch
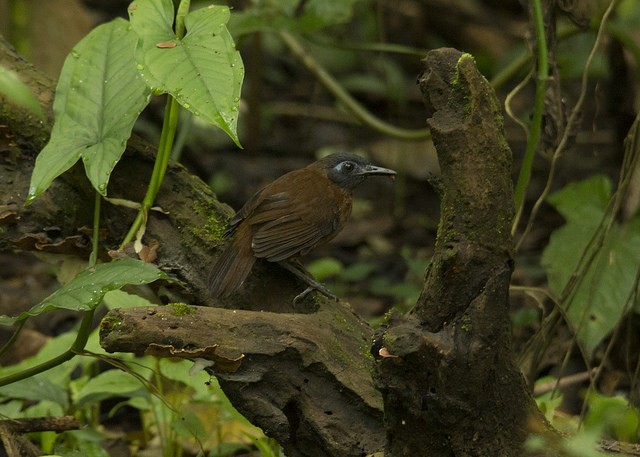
[303,378]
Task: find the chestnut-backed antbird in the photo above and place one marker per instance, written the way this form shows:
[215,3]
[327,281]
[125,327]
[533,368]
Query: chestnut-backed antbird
[290,217]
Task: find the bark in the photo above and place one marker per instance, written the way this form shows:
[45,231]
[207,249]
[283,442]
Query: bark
[447,374]
[303,378]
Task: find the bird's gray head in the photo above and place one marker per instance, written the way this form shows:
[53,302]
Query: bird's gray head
[347,169]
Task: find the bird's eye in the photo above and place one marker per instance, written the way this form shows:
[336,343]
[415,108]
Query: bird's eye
[348,166]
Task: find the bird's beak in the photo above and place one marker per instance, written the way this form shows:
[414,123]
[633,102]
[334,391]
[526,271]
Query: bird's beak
[372,170]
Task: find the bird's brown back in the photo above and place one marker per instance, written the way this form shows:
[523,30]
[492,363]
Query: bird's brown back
[287,218]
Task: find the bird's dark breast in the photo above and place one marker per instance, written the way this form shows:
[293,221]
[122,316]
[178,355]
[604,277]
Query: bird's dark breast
[297,214]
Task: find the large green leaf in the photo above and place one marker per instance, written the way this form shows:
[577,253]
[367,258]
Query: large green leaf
[99,96]
[49,386]
[604,288]
[203,70]
[85,291]
[109,384]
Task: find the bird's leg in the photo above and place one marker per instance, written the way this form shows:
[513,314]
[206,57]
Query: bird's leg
[298,270]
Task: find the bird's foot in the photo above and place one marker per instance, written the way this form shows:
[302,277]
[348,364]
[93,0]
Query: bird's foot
[315,287]
[299,271]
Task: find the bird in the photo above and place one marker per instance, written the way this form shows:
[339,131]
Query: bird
[288,218]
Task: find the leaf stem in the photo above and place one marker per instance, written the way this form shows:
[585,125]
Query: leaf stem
[542,75]
[572,122]
[359,111]
[183,10]
[165,145]
[77,346]
[93,258]
[86,324]
[5,347]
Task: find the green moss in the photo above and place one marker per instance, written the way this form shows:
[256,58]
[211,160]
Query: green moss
[389,340]
[114,321]
[459,86]
[456,81]
[110,323]
[181,309]
[342,323]
[466,323]
[337,352]
[367,357]
[211,232]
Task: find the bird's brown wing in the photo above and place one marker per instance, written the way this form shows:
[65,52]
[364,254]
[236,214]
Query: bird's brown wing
[289,223]
[284,226]
[241,215]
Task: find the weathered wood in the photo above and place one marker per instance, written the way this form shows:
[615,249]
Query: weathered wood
[304,378]
[450,385]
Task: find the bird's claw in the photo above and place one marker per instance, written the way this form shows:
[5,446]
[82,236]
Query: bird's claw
[316,287]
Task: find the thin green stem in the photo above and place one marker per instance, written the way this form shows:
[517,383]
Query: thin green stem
[93,258]
[85,325]
[77,346]
[135,226]
[19,19]
[572,121]
[360,112]
[186,125]
[169,127]
[183,10]
[159,168]
[536,122]
[523,59]
[165,145]
[13,337]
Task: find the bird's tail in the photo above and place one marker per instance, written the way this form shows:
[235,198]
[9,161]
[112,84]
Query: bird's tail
[233,265]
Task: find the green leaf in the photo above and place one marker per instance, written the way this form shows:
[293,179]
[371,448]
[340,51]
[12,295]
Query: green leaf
[324,268]
[98,99]
[50,386]
[614,416]
[86,290]
[357,272]
[180,371]
[121,299]
[604,288]
[14,89]
[36,388]
[202,71]
[109,384]
[189,425]
[86,442]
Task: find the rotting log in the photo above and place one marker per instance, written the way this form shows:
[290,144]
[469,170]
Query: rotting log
[303,378]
